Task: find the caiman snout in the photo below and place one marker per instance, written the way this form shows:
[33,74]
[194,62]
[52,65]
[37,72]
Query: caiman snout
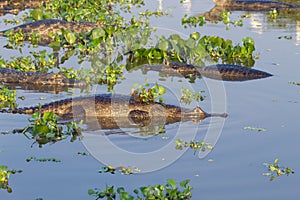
[198,113]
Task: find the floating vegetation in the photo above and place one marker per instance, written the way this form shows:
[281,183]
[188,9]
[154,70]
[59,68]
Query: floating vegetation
[275,170]
[7,97]
[123,170]
[141,93]
[111,75]
[4,177]
[42,159]
[196,48]
[273,15]
[294,83]
[38,61]
[287,37]
[168,191]
[192,21]
[187,95]
[201,146]
[225,18]
[83,153]
[44,128]
[254,128]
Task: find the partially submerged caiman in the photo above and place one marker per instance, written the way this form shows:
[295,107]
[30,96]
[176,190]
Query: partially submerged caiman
[225,72]
[16,6]
[37,78]
[255,5]
[44,28]
[116,110]
[245,5]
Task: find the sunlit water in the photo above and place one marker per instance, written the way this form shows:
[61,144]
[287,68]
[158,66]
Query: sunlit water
[233,170]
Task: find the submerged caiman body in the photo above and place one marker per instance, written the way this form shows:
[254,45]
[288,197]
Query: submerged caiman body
[115,110]
[44,28]
[37,78]
[225,72]
[253,5]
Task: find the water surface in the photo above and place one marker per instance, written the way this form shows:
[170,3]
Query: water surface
[236,170]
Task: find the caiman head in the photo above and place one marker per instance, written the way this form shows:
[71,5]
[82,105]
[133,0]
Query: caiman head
[197,114]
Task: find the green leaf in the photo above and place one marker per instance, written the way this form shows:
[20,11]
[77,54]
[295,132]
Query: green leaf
[97,33]
[163,45]
[55,45]
[70,37]
[195,35]
[91,192]
[37,14]
[184,183]
[161,90]
[172,183]
[3,168]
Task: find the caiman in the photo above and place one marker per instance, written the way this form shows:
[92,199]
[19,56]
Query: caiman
[16,6]
[225,72]
[255,5]
[244,5]
[44,28]
[37,78]
[112,110]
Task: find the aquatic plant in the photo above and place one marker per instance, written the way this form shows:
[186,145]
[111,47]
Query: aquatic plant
[192,21]
[29,159]
[195,145]
[44,128]
[187,95]
[195,49]
[123,170]
[275,170]
[254,128]
[141,93]
[4,177]
[7,97]
[168,191]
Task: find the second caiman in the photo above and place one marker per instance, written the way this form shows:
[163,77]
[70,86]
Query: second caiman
[225,72]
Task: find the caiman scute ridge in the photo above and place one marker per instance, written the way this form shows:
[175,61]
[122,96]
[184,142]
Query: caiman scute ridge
[116,106]
[37,78]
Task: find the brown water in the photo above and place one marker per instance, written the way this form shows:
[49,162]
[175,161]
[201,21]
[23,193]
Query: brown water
[233,170]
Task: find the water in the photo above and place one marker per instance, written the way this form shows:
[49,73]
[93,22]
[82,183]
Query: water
[236,169]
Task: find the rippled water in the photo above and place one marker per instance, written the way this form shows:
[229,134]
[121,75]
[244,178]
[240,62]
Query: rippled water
[233,170]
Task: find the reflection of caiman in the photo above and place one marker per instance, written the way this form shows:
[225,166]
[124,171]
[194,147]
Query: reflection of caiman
[115,110]
[223,72]
[43,28]
[38,78]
